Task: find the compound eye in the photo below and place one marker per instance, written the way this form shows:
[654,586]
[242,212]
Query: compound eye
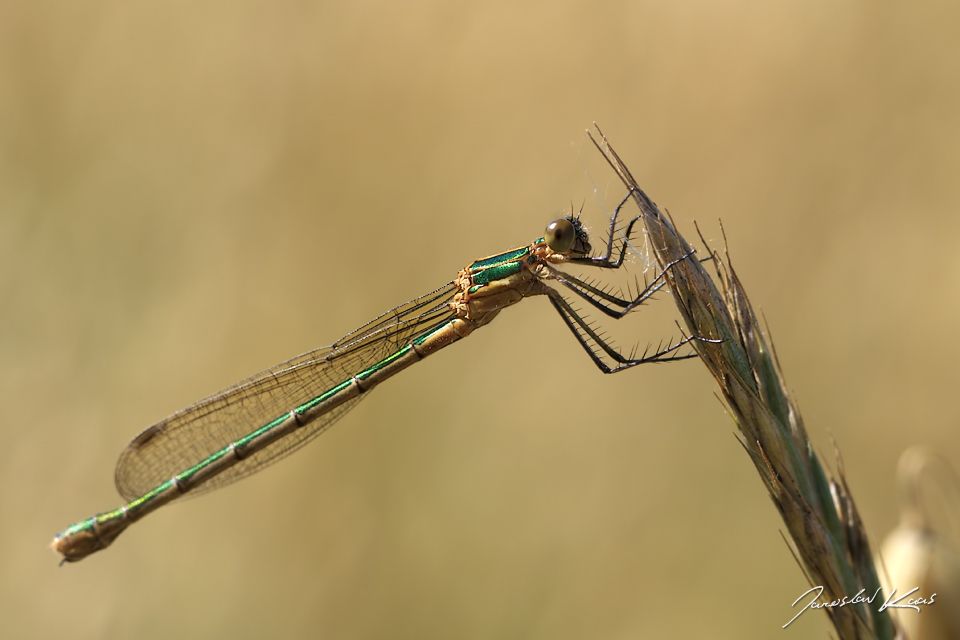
[560,235]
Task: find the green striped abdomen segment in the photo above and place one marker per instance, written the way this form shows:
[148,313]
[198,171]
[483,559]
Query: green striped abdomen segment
[272,431]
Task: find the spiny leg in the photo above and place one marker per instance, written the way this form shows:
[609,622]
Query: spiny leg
[605,261]
[591,293]
[587,338]
[596,296]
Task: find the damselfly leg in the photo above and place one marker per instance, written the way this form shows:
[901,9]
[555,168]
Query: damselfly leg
[611,304]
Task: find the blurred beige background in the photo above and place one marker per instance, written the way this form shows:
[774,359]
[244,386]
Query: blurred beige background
[193,191]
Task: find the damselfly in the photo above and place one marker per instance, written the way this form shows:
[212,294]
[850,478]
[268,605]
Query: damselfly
[254,423]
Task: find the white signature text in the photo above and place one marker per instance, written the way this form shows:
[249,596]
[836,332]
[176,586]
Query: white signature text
[889,603]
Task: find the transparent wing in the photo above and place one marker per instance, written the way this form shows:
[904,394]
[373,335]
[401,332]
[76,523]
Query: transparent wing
[183,439]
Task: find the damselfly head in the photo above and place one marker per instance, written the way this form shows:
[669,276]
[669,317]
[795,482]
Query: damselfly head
[567,236]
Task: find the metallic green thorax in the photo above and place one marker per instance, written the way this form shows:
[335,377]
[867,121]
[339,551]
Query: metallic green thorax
[510,256]
[498,267]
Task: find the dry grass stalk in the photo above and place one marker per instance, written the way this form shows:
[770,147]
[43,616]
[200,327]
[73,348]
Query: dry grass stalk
[829,539]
